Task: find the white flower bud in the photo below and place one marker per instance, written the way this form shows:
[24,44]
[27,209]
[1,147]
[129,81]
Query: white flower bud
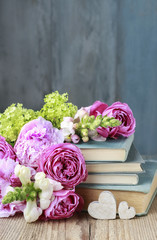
[81,113]
[23,173]
[39,176]
[46,194]
[43,184]
[46,186]
[17,170]
[56,185]
[32,212]
[67,127]
[44,203]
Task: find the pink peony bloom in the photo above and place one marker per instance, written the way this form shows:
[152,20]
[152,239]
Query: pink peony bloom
[64,163]
[6,179]
[65,204]
[34,137]
[7,210]
[6,150]
[6,171]
[123,113]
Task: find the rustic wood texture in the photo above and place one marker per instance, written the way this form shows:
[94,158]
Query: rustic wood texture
[82,227]
[93,49]
[25,56]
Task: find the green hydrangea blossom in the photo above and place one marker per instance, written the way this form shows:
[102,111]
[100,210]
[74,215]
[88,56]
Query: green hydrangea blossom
[15,116]
[56,108]
[13,119]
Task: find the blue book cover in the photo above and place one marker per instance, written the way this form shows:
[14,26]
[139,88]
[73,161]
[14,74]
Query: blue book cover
[110,150]
[139,196]
[132,164]
[144,183]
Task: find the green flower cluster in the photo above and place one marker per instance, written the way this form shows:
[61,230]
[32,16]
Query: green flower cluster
[90,123]
[13,119]
[26,192]
[15,116]
[56,108]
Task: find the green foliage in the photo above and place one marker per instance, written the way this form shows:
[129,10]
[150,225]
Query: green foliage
[26,192]
[90,123]
[16,116]
[56,108]
[13,119]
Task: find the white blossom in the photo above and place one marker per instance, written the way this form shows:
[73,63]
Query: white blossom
[32,212]
[23,173]
[67,126]
[47,189]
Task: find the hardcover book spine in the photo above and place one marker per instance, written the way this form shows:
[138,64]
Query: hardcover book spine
[128,146]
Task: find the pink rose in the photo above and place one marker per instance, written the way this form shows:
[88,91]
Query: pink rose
[98,108]
[123,113]
[65,204]
[6,150]
[34,137]
[64,163]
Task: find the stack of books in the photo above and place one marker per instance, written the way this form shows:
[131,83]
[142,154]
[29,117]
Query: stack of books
[117,166]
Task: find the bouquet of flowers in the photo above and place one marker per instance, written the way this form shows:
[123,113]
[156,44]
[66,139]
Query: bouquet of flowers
[40,163]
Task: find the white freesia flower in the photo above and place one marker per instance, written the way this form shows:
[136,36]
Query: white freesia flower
[81,113]
[56,185]
[46,194]
[45,184]
[41,182]
[17,169]
[32,212]
[93,134]
[44,203]
[23,173]
[47,189]
[67,126]
[39,176]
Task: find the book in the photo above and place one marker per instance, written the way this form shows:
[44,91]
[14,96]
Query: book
[112,178]
[139,196]
[132,164]
[110,150]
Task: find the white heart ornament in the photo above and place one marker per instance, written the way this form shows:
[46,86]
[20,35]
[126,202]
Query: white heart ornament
[104,208]
[126,212]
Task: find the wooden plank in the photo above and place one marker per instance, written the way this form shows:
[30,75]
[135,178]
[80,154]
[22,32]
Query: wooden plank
[136,67]
[81,226]
[104,51]
[25,56]
[77,227]
[84,50]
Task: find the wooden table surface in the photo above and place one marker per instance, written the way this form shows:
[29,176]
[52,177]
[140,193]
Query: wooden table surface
[82,227]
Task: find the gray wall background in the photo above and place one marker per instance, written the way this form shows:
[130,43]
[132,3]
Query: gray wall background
[93,49]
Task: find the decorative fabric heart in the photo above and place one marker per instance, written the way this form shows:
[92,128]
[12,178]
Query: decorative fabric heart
[126,212]
[104,208]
